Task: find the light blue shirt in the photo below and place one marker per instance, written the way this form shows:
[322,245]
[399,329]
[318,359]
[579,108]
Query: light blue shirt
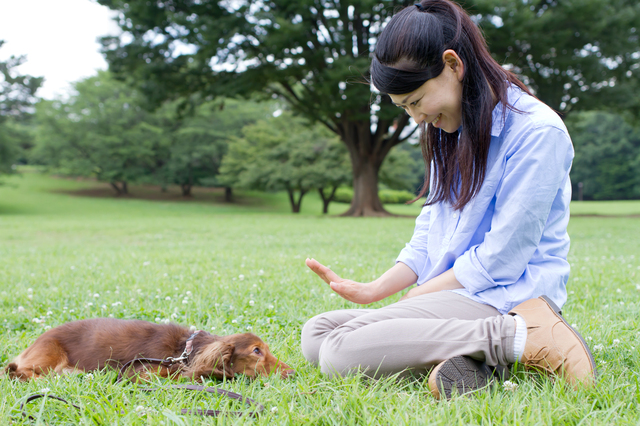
[510,242]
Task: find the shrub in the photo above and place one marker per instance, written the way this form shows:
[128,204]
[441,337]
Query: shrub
[387,196]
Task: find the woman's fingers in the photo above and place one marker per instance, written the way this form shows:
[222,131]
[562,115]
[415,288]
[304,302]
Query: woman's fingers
[323,272]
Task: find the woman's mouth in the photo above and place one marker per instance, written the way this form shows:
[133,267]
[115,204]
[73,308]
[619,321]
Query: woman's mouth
[435,122]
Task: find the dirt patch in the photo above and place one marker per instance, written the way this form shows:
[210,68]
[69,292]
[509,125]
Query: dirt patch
[155,193]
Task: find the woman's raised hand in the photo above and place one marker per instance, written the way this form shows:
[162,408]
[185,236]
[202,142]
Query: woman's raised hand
[353,291]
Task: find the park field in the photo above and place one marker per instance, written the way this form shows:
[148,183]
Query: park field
[70,250]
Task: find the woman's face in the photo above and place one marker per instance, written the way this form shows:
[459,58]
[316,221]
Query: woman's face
[439,100]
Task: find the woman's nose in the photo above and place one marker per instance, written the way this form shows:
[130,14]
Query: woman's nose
[417,116]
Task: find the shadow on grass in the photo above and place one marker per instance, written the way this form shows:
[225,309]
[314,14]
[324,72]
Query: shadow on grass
[172,194]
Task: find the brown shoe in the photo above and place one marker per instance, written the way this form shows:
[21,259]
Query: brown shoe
[553,345]
[465,375]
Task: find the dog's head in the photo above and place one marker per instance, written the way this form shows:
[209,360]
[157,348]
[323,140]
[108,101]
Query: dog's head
[239,353]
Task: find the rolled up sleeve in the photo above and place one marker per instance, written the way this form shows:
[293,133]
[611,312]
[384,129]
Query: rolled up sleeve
[536,169]
[414,254]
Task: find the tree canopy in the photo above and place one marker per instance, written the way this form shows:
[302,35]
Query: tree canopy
[17,97]
[284,153]
[607,157]
[315,55]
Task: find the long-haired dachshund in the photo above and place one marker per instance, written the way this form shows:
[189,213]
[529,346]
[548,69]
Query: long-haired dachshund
[92,344]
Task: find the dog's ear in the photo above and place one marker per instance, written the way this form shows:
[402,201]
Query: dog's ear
[213,360]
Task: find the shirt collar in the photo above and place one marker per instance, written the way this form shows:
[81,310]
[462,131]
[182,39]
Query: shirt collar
[500,114]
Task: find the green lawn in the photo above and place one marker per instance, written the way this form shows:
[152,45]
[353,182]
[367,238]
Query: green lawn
[233,268]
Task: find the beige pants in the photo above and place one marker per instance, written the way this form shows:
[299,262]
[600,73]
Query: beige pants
[408,336]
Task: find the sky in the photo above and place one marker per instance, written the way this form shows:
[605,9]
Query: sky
[58,38]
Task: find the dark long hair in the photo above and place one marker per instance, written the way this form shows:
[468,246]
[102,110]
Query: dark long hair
[408,53]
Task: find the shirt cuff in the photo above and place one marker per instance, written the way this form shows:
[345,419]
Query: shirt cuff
[471,274]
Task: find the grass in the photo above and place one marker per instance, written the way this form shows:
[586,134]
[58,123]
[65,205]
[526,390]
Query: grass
[232,268]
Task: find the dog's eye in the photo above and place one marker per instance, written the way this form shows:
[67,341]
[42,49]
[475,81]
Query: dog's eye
[256,351]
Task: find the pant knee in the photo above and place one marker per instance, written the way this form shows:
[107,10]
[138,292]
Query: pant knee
[313,334]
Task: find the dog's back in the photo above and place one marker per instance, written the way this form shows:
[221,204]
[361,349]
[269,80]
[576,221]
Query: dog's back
[93,343]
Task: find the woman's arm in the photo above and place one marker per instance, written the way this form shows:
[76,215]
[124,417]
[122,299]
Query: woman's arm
[397,278]
[445,281]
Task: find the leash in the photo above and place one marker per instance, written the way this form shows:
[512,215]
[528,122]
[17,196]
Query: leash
[197,412]
[169,363]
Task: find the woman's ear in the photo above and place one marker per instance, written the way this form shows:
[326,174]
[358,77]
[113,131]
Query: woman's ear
[453,63]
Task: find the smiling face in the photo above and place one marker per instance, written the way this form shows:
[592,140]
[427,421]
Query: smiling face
[439,100]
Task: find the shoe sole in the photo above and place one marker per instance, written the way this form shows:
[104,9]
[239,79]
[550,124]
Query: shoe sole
[558,312]
[465,375]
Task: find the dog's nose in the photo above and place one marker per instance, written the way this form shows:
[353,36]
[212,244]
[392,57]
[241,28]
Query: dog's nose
[286,374]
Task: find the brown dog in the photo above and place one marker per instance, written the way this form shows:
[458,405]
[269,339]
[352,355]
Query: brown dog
[92,344]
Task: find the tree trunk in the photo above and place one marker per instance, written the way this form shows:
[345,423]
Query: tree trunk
[115,187]
[123,190]
[228,194]
[366,201]
[186,189]
[327,199]
[295,204]
[367,151]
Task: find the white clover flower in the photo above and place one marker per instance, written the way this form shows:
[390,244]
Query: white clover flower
[20,308]
[251,303]
[616,342]
[89,304]
[146,263]
[509,386]
[49,313]
[261,272]
[638,287]
[165,274]
[157,319]
[30,290]
[174,315]
[116,303]
[234,321]
[618,290]
[241,277]
[192,328]
[274,409]
[213,328]
[185,302]
[96,295]
[88,377]
[166,321]
[271,306]
[110,315]
[598,348]
[45,390]
[73,267]
[30,296]
[167,298]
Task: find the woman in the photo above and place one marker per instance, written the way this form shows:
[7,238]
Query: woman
[490,245]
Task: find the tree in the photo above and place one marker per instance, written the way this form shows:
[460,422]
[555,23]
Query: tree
[199,140]
[283,153]
[314,54]
[17,96]
[576,55]
[101,131]
[607,157]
